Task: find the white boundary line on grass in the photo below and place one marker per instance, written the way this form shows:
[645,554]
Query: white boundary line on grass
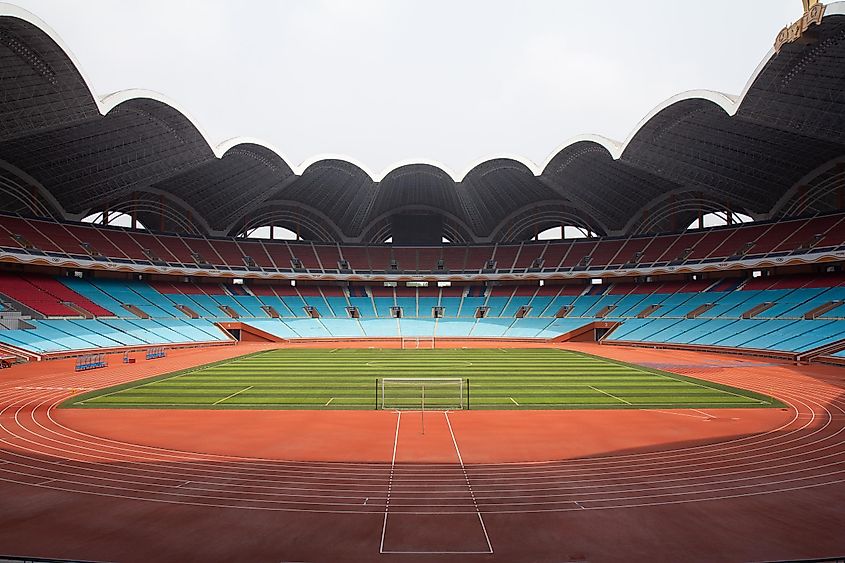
[751,399]
[635,367]
[139,385]
[233,394]
[608,394]
[679,414]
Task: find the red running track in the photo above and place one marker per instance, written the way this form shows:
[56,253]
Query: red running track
[718,485]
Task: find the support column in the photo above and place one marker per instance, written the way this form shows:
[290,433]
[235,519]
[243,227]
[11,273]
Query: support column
[134,210]
[161,212]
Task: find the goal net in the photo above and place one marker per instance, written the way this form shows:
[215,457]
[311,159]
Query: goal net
[422,393]
[417,343]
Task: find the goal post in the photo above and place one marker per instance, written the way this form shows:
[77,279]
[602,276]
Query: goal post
[418,343]
[422,393]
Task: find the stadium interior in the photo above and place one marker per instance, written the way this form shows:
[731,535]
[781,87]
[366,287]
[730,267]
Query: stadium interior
[773,157]
[124,232]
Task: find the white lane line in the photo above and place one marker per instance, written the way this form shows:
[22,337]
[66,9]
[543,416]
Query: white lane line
[390,480]
[329,402]
[514,402]
[233,394]
[608,394]
[704,413]
[469,485]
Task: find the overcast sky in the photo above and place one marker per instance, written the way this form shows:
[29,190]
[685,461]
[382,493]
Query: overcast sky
[389,80]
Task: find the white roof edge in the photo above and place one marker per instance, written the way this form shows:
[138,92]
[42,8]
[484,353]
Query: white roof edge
[729,103]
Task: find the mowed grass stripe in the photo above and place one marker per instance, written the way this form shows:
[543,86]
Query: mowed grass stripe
[346,379]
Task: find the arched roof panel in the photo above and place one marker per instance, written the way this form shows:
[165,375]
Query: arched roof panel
[788,120]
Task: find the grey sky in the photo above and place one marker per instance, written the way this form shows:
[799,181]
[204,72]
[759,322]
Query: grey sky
[389,80]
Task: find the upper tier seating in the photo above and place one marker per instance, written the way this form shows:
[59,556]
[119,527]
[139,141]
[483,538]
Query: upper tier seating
[756,240]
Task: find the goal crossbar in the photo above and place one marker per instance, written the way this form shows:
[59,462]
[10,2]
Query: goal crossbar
[422,393]
[417,342]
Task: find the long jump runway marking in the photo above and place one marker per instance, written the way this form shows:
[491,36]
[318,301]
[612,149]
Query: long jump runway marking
[443,532]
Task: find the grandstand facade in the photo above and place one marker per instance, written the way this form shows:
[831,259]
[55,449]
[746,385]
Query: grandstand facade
[774,286]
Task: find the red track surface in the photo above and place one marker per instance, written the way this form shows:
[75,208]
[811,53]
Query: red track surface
[720,485]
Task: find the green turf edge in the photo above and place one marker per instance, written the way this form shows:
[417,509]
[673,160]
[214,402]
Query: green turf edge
[775,403]
[69,402]
[769,402]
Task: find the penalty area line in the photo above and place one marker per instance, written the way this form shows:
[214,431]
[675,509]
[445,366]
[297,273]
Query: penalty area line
[608,394]
[233,395]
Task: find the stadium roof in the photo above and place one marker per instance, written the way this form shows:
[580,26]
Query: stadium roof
[774,150]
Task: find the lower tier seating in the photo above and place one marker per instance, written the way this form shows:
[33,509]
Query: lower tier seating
[58,335]
[787,314]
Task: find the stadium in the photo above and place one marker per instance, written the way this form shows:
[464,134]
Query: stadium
[416,375]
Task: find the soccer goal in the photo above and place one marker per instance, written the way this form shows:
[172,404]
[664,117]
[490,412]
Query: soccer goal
[418,343]
[422,393]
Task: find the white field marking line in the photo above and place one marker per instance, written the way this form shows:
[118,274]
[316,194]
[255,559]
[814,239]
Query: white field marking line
[679,413]
[503,350]
[333,350]
[233,395]
[466,476]
[136,386]
[637,368]
[579,504]
[704,413]
[390,480]
[608,394]
[751,399]
[329,402]
[514,402]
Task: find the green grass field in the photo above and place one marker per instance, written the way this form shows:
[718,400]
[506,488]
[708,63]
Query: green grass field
[350,379]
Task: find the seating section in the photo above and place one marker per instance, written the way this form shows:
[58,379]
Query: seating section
[789,314]
[47,296]
[60,335]
[716,245]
